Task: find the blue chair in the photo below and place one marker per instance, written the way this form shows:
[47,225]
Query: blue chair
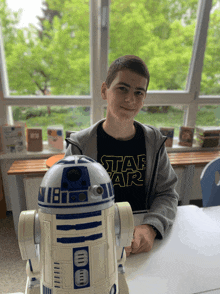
[210,191]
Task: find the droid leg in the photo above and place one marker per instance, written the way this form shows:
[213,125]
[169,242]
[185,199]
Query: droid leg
[33,276]
[121,258]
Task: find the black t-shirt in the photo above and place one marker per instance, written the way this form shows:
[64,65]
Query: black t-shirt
[125,162]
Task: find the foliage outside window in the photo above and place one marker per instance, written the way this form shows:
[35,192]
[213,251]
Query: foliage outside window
[55,60]
[210,82]
[161,33]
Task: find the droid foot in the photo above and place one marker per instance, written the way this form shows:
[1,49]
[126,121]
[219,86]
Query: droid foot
[121,269]
[32,286]
[122,283]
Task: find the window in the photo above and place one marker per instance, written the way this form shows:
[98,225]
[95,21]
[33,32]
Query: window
[78,41]
[162,35]
[70,117]
[210,83]
[52,57]
[208,115]
[162,117]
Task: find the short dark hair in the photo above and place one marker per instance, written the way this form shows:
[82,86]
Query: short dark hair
[131,62]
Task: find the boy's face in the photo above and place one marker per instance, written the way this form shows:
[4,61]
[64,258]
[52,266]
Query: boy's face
[126,95]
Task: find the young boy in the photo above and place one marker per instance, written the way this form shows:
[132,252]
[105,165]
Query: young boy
[133,154]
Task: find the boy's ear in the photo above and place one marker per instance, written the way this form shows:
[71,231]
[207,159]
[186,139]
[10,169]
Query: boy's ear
[103,90]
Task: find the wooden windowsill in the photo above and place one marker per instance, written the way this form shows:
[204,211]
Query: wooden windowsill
[177,159]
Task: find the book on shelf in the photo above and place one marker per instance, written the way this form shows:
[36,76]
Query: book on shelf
[12,139]
[34,139]
[186,136]
[169,133]
[208,136]
[55,138]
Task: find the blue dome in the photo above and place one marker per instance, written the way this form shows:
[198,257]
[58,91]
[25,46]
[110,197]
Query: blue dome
[75,184]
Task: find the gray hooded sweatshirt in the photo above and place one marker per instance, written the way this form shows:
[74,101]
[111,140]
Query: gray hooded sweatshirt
[160,178]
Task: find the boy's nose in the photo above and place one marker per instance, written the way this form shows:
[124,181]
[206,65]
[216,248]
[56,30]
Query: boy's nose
[130,97]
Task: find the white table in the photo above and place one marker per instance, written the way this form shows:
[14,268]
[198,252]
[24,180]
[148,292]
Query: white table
[187,261]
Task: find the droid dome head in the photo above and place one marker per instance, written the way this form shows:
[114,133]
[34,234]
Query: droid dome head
[75,184]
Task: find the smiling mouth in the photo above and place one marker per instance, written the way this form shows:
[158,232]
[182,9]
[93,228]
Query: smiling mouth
[127,108]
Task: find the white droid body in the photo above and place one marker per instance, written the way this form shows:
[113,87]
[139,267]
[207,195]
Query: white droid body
[72,238]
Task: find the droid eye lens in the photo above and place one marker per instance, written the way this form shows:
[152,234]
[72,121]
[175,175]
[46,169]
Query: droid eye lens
[74,174]
[99,190]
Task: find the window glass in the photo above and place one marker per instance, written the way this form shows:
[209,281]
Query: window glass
[51,54]
[161,34]
[69,117]
[162,117]
[208,116]
[210,82]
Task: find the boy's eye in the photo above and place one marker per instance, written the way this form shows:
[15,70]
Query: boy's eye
[139,93]
[123,88]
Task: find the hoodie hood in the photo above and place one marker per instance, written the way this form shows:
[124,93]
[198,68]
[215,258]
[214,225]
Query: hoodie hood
[86,140]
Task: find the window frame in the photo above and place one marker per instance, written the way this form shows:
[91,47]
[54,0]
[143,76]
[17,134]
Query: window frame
[99,44]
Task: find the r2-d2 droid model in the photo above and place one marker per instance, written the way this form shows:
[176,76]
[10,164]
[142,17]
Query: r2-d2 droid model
[75,242]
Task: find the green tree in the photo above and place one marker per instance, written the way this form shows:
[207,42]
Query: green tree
[57,59]
[9,20]
[71,42]
[157,35]
[49,15]
[210,83]
[160,32]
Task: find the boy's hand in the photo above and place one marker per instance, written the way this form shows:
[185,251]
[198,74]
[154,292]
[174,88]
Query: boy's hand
[143,240]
